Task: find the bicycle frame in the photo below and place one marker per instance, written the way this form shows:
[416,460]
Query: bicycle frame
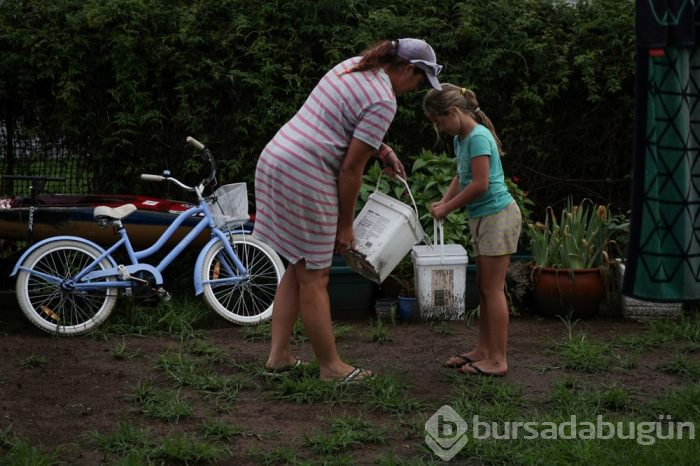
[81,282]
[69,285]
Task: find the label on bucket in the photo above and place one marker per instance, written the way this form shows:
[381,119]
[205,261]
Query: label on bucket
[369,229]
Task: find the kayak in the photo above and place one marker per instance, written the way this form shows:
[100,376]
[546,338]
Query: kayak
[70,214]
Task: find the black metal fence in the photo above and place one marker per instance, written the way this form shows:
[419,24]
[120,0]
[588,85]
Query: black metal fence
[26,154]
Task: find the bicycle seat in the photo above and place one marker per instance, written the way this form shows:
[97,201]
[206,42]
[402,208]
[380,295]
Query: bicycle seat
[114,213]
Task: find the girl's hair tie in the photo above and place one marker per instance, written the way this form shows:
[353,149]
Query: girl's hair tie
[477,110]
[463,91]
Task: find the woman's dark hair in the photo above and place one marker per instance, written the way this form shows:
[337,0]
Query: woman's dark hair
[380,54]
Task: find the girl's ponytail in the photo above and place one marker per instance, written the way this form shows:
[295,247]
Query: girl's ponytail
[440,102]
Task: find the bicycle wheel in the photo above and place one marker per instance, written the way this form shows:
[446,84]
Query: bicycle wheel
[249,301]
[53,308]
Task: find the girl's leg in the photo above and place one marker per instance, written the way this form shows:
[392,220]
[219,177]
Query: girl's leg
[482,344]
[316,315]
[495,308]
[285,311]
[483,340]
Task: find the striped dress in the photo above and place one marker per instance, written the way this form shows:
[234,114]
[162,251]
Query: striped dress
[296,178]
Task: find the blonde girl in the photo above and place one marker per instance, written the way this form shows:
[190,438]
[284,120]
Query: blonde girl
[494,218]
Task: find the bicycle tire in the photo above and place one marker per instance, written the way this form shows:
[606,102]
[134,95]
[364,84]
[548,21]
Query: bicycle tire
[249,302]
[54,309]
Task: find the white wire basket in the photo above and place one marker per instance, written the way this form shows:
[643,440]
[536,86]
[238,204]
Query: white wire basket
[229,205]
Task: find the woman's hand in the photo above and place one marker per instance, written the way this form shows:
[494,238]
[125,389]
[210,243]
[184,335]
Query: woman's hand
[344,239]
[439,210]
[391,163]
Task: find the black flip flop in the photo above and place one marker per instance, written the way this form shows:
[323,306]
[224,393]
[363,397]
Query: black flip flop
[482,373]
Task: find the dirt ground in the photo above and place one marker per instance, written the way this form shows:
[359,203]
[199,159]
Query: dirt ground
[82,388]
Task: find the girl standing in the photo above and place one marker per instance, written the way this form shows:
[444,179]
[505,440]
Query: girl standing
[494,218]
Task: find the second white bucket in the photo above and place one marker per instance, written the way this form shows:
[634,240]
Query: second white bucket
[385,231]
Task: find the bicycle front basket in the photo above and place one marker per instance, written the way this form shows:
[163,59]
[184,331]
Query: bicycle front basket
[229,205]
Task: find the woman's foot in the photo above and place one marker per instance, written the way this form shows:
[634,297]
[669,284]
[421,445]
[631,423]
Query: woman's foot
[281,365]
[485,368]
[460,360]
[346,375]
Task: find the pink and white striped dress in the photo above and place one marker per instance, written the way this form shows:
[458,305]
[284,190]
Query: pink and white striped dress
[296,179]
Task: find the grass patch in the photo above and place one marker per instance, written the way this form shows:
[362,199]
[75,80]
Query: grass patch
[33,361]
[278,455]
[682,366]
[15,450]
[127,440]
[442,328]
[660,332]
[682,404]
[184,448]
[383,393]
[180,317]
[121,352]
[344,433]
[257,332]
[216,429]
[487,397]
[211,353]
[134,445]
[162,404]
[387,394]
[187,371]
[571,397]
[379,331]
[581,354]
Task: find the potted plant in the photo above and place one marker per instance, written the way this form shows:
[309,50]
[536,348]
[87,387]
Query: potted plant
[571,262]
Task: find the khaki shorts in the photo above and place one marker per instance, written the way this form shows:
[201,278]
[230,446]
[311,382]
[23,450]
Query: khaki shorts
[497,234]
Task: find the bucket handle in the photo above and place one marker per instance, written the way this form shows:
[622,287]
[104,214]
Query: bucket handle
[413,201]
[438,227]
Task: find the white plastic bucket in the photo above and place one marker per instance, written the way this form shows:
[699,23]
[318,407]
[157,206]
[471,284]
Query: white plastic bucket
[440,272]
[385,230]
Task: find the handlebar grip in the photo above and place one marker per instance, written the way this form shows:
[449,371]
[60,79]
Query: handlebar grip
[152,177]
[194,143]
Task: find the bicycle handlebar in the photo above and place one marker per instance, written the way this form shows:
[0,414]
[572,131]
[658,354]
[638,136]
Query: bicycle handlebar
[194,143]
[146,177]
[205,155]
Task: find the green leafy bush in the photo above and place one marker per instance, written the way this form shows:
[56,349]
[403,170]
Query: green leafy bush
[119,84]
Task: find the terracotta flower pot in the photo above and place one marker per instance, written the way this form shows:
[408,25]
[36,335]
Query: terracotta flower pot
[565,292]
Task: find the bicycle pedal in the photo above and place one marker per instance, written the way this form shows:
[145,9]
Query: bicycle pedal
[163,294]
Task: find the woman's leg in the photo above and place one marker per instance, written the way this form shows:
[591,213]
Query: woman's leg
[315,309]
[285,311]
[494,308]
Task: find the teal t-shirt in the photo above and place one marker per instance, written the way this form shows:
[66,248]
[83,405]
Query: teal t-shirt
[480,142]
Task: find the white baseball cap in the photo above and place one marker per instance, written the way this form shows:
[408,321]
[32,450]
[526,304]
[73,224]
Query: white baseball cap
[419,53]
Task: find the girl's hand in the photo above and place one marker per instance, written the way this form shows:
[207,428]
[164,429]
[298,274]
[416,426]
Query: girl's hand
[438,210]
[391,163]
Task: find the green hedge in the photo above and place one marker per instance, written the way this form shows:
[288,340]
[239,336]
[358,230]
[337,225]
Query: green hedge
[122,82]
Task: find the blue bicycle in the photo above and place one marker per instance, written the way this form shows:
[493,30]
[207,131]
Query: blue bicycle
[69,285]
